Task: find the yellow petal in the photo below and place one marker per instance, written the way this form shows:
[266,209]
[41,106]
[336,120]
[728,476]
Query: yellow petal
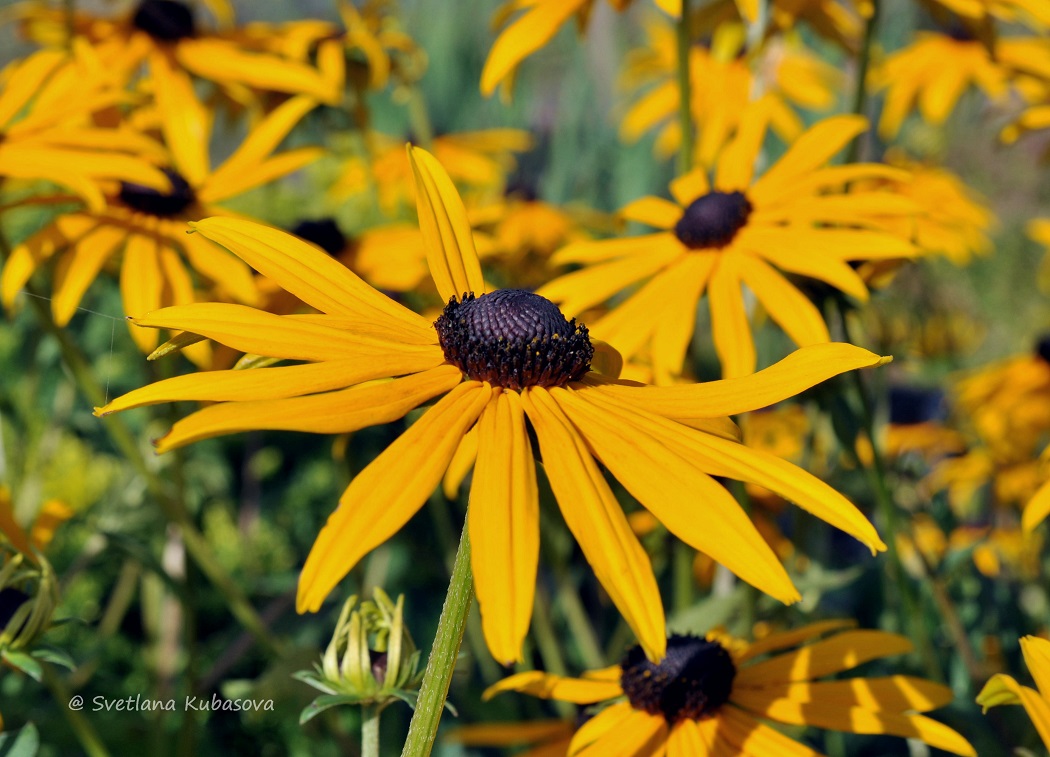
[536,683]
[38,249]
[79,267]
[275,383]
[653,211]
[639,734]
[226,271]
[785,639]
[309,274]
[893,694]
[446,230]
[141,285]
[814,148]
[389,491]
[749,737]
[840,652]
[524,37]
[799,371]
[25,81]
[691,186]
[259,174]
[184,120]
[596,520]
[504,523]
[599,725]
[1036,653]
[730,327]
[1036,510]
[792,310]
[337,412]
[683,497]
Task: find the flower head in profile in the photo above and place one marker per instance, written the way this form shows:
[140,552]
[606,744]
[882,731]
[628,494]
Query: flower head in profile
[717,237]
[500,362]
[1003,689]
[711,694]
[149,225]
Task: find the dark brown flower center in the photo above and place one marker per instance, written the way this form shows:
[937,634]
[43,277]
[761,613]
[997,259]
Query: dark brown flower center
[164,20]
[911,405]
[165,204]
[692,681]
[713,220]
[513,338]
[1042,347]
[324,232]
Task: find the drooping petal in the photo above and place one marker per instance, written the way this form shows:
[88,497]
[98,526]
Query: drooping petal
[389,491]
[1036,653]
[79,267]
[653,211]
[750,737]
[599,725]
[1002,689]
[141,285]
[536,683]
[596,520]
[792,310]
[184,119]
[730,326]
[840,652]
[259,174]
[786,639]
[38,249]
[337,412]
[893,694]
[446,230]
[799,371]
[1036,510]
[275,383]
[686,500]
[639,734]
[504,523]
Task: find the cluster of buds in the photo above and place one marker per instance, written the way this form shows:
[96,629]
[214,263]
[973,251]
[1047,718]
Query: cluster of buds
[371,659]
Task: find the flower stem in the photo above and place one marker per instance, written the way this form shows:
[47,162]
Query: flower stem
[434,689]
[685,114]
[370,730]
[860,84]
[85,733]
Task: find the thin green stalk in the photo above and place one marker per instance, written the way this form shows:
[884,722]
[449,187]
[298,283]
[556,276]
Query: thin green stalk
[85,733]
[682,575]
[749,611]
[579,623]
[436,679]
[860,83]
[419,119]
[71,24]
[196,545]
[548,643]
[370,730]
[685,113]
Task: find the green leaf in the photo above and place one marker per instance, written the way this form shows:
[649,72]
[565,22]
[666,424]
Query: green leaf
[25,742]
[23,662]
[326,702]
[54,656]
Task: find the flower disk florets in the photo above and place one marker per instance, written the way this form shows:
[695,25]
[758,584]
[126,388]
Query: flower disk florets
[164,20]
[712,220]
[692,681]
[514,339]
[156,203]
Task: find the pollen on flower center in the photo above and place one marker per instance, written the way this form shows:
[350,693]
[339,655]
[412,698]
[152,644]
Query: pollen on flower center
[513,338]
[157,203]
[712,220]
[164,20]
[692,681]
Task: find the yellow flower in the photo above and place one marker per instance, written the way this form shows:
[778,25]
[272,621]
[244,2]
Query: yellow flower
[1035,13]
[710,696]
[736,232]
[547,738]
[495,359]
[150,225]
[46,103]
[1039,231]
[51,515]
[721,85]
[477,159]
[167,33]
[1003,689]
[934,71]
[838,20]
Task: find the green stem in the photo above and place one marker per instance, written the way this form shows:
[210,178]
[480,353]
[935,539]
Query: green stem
[370,730]
[196,545]
[682,557]
[579,623]
[419,119]
[86,735]
[71,23]
[685,114]
[434,689]
[749,611]
[860,84]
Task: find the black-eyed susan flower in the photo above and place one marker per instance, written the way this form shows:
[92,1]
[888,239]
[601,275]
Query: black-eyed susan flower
[499,362]
[711,695]
[149,226]
[168,34]
[841,21]
[717,237]
[1004,689]
[46,132]
[722,82]
[936,69]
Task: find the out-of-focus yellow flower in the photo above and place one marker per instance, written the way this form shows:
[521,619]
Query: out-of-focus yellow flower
[1034,13]
[841,21]
[712,696]
[46,131]
[150,225]
[994,550]
[1003,689]
[934,71]
[544,738]
[717,237]
[723,80]
[478,160]
[39,533]
[1039,230]
[167,33]
[493,359]
[954,221]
